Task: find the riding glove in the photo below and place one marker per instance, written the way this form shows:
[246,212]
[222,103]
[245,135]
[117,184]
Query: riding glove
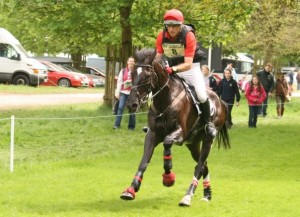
[169,70]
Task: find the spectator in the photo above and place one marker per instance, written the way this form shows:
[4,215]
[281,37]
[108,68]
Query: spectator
[210,81]
[298,80]
[243,83]
[291,81]
[227,90]
[122,92]
[233,72]
[267,80]
[281,92]
[255,95]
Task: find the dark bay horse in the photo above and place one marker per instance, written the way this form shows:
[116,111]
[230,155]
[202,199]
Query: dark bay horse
[171,120]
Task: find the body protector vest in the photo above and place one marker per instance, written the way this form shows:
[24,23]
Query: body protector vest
[174,50]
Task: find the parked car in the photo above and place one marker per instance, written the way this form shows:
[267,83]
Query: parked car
[58,76]
[94,71]
[95,80]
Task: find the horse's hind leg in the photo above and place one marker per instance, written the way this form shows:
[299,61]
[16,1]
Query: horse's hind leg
[199,171]
[206,184]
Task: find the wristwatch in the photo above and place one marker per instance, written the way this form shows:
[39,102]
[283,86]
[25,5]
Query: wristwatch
[174,69]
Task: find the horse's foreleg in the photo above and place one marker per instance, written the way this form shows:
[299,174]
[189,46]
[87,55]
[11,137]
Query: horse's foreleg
[174,137]
[150,144]
[199,170]
[168,176]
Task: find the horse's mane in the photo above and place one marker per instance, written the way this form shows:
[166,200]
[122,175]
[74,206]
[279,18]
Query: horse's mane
[145,55]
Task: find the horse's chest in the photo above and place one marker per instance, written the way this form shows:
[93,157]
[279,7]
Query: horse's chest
[164,123]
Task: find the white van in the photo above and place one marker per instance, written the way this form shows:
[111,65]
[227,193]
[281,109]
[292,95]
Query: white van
[16,67]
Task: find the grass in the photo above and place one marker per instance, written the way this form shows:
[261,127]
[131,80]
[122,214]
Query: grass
[79,167]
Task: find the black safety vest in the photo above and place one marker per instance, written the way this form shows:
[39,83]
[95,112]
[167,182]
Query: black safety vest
[174,50]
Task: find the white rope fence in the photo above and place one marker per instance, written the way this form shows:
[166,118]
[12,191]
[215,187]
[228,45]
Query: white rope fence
[12,129]
[13,118]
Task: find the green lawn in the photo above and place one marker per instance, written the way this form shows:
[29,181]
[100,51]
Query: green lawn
[79,167]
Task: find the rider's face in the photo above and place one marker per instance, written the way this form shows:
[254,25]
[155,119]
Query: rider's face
[173,30]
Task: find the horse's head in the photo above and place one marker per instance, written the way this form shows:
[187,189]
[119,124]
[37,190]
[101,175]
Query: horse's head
[143,77]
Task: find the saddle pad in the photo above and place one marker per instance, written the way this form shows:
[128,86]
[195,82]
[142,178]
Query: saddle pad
[191,90]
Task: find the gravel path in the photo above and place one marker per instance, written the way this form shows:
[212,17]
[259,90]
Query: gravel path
[15,101]
[10,101]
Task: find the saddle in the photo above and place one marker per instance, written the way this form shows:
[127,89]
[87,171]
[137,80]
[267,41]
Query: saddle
[191,90]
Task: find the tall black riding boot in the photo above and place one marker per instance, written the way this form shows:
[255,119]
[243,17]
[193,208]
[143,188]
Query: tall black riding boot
[210,128]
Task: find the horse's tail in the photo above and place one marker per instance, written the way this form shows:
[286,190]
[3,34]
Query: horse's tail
[223,136]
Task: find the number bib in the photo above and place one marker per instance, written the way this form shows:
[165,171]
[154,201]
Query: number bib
[173,50]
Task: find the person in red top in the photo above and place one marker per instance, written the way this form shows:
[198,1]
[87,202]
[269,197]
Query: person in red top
[178,42]
[255,94]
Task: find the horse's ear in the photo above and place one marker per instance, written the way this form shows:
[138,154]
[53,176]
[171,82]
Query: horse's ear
[153,54]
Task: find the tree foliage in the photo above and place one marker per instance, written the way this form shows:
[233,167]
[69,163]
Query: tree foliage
[266,28]
[272,33]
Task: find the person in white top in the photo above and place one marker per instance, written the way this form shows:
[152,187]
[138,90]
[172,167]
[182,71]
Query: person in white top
[233,72]
[122,92]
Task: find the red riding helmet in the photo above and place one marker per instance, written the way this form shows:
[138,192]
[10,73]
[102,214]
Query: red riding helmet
[173,17]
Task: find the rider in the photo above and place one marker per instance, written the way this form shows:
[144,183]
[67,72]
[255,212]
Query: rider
[178,42]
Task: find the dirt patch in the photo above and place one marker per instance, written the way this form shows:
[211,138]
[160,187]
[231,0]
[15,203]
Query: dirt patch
[16,101]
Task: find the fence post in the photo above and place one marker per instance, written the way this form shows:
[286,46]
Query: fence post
[12,135]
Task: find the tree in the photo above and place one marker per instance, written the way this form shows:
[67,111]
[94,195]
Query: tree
[272,33]
[80,27]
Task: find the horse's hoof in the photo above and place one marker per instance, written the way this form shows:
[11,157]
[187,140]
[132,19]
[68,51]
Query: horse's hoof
[128,194]
[205,199]
[168,179]
[207,194]
[186,201]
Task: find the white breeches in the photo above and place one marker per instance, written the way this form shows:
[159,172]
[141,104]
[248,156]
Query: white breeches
[194,77]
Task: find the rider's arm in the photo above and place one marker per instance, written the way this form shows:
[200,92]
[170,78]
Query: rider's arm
[189,53]
[187,65]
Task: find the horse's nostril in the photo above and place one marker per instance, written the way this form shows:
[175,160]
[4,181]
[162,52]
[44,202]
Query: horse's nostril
[134,106]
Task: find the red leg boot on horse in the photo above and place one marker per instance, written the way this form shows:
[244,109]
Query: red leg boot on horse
[168,176]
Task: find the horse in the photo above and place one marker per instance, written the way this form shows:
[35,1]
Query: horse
[171,120]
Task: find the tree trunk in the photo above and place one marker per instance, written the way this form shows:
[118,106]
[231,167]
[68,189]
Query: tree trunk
[126,49]
[113,56]
[77,59]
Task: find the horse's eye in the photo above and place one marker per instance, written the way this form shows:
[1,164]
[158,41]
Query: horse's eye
[139,70]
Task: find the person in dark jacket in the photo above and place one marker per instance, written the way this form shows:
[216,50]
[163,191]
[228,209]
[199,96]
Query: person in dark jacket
[228,90]
[267,80]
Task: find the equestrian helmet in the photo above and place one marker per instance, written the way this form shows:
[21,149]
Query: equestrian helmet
[173,17]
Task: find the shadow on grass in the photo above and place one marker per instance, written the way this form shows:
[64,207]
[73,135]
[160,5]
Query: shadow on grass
[108,207]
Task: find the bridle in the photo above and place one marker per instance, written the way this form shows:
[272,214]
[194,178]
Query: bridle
[148,81]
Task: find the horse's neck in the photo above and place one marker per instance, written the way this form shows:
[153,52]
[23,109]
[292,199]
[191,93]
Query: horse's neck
[167,92]
[162,94]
